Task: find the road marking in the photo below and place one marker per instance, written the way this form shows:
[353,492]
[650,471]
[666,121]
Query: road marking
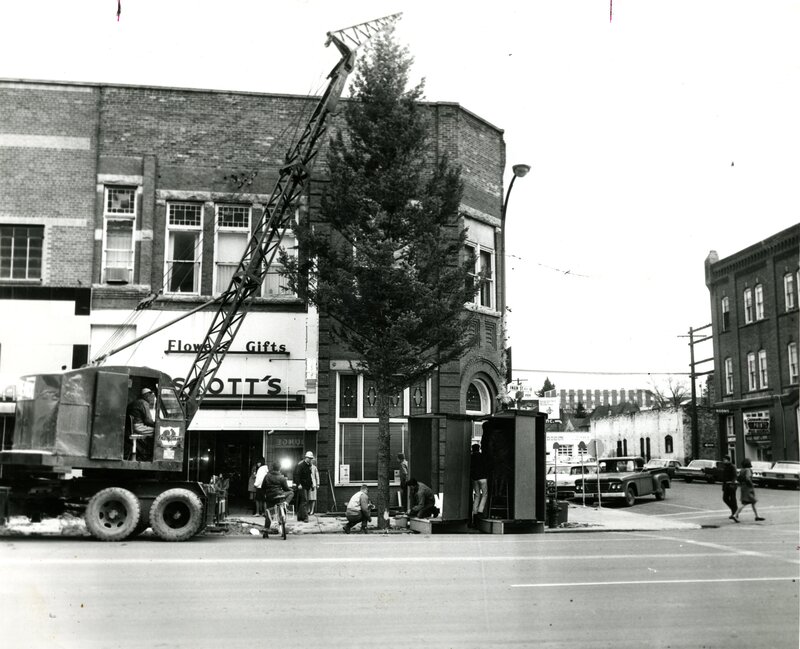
[653,581]
[725,548]
[360,560]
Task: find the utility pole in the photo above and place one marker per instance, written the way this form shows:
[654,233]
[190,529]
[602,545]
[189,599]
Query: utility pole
[693,374]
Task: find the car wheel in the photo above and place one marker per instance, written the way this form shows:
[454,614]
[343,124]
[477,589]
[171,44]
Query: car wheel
[661,494]
[688,480]
[630,496]
[112,514]
[710,480]
[176,515]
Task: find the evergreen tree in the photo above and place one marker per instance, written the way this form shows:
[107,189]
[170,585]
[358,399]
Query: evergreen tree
[383,263]
[546,388]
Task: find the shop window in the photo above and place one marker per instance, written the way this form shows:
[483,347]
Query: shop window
[647,448]
[641,446]
[762,368]
[184,248]
[21,251]
[752,377]
[748,305]
[668,447]
[357,441]
[232,237]
[725,312]
[728,375]
[759,299]
[792,353]
[358,449]
[789,291]
[119,215]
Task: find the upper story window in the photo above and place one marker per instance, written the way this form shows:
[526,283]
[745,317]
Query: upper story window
[748,305]
[789,291]
[725,313]
[759,297]
[728,376]
[119,218]
[752,378]
[275,284]
[21,251]
[762,368]
[480,247]
[232,236]
[183,258]
[792,351]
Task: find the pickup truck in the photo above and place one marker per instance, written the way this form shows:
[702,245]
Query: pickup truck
[626,478]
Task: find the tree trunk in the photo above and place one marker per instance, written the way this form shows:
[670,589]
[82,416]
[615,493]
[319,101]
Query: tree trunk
[382,501]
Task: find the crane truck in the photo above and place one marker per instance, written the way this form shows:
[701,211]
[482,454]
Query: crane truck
[74,444]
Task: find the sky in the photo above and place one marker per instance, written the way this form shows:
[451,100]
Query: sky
[655,136]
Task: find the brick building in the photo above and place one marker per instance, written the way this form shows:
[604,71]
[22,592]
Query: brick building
[754,307]
[110,195]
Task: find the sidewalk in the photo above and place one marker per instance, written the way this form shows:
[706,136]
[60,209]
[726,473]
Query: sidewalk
[579,519]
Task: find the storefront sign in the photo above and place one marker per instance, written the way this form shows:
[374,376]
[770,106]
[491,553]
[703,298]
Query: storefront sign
[258,369]
[178,346]
[758,438]
[344,473]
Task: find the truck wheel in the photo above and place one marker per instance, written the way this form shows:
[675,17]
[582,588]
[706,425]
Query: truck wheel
[630,496]
[688,480]
[176,515]
[112,514]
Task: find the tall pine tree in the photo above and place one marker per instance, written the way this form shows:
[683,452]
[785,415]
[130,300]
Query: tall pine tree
[384,261]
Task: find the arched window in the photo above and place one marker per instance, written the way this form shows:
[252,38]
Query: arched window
[668,444]
[478,400]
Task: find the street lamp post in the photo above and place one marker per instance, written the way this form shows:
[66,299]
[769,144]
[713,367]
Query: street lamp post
[519,170]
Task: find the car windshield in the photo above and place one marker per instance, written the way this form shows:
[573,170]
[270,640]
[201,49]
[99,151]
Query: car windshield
[700,463]
[656,463]
[786,466]
[578,470]
[560,470]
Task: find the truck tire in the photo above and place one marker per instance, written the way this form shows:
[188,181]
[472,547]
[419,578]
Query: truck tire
[112,514]
[688,480]
[630,496]
[176,515]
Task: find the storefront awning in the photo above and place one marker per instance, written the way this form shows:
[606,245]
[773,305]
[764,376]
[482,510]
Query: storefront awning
[223,419]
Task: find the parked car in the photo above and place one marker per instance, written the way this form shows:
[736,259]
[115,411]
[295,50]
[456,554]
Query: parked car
[759,467]
[708,470]
[786,473]
[663,464]
[561,478]
[623,477]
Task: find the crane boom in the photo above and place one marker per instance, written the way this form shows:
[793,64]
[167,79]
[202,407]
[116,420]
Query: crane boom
[277,215]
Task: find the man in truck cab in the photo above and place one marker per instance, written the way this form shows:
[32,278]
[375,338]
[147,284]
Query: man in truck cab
[141,420]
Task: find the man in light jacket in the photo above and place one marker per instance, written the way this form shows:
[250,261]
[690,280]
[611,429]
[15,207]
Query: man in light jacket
[358,510]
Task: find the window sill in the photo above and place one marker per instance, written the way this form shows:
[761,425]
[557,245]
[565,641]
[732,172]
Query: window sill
[485,310]
[26,282]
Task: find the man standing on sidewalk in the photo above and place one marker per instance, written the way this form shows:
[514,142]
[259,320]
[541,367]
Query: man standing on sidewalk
[729,485]
[304,483]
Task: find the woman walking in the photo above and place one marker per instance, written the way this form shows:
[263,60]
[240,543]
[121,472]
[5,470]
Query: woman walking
[747,495]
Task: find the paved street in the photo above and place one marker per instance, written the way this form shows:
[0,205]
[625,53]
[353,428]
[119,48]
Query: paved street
[728,586]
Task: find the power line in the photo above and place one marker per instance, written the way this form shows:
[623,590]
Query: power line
[515,369]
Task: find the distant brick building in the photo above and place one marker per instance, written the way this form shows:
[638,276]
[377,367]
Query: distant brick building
[754,307]
[110,195]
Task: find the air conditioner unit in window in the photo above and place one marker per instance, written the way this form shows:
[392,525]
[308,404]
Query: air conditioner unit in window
[118,275]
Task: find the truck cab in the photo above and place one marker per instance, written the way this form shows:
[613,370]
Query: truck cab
[80,420]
